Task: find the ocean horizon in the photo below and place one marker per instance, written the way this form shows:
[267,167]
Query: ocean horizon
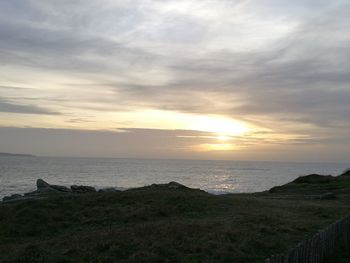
[19,174]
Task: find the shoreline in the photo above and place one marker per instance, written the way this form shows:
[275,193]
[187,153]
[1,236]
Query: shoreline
[18,175]
[43,188]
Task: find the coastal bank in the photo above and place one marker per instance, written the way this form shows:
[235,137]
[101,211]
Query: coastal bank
[168,222]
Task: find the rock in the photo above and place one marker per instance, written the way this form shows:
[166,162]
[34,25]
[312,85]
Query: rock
[41,184]
[328,196]
[12,197]
[44,187]
[60,188]
[82,189]
[314,179]
[171,185]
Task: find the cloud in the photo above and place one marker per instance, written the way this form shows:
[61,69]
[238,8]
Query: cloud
[282,65]
[122,143]
[8,107]
[153,143]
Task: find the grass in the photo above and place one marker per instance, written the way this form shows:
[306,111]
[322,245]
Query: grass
[160,224]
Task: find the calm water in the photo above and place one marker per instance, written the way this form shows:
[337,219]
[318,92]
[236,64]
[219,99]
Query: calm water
[18,174]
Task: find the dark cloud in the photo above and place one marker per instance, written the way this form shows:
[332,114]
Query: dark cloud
[26,45]
[9,107]
[122,143]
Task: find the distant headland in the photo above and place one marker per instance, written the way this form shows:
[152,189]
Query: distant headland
[16,155]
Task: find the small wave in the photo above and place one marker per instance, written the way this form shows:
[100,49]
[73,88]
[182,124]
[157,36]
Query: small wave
[216,192]
[253,169]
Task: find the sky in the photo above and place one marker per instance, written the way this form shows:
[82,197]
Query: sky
[195,79]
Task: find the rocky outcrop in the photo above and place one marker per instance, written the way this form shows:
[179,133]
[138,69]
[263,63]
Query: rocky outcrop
[82,189]
[41,184]
[44,187]
[61,188]
[314,179]
[171,185]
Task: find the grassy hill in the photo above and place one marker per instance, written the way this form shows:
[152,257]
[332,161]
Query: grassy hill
[161,223]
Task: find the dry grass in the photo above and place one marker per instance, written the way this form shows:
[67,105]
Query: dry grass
[158,224]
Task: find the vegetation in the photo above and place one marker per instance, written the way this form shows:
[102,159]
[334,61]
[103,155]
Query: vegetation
[160,223]
[342,255]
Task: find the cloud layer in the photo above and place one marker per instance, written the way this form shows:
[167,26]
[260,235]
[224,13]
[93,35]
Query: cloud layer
[282,66]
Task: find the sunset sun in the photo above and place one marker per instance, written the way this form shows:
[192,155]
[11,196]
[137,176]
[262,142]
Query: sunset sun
[224,131]
[224,128]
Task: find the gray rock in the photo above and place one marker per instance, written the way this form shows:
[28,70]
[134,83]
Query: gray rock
[41,184]
[328,196]
[12,197]
[82,189]
[171,185]
[44,187]
[60,188]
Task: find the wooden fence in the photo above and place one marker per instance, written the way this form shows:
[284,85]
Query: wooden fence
[319,247]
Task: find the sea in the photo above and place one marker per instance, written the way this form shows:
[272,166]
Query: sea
[19,174]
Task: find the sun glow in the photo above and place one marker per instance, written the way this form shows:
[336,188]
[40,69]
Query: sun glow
[223,138]
[208,147]
[206,133]
[224,128]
